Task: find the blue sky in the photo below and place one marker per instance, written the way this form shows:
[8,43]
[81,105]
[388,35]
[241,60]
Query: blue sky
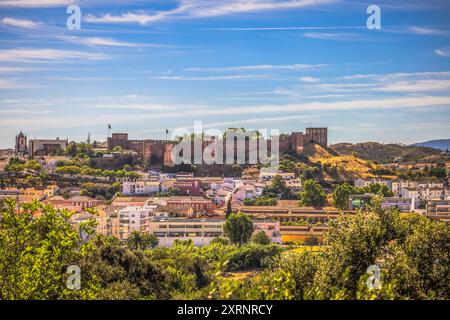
[144,66]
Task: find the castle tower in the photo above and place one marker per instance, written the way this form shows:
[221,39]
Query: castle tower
[318,135]
[21,143]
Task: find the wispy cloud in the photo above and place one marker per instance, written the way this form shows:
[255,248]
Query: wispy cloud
[205,8]
[17,69]
[443,52]
[47,55]
[397,75]
[337,36]
[309,79]
[211,78]
[107,42]
[416,86]
[20,23]
[7,84]
[35,3]
[304,28]
[262,67]
[427,31]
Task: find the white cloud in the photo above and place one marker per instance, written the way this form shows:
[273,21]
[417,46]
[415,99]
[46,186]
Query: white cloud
[211,78]
[20,23]
[398,75]
[205,8]
[263,67]
[427,31]
[7,84]
[35,3]
[338,36]
[17,69]
[107,42]
[309,79]
[416,86]
[47,55]
[443,52]
[359,104]
[377,104]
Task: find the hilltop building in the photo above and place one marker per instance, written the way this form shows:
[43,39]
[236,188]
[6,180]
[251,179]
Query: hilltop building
[21,144]
[159,152]
[45,147]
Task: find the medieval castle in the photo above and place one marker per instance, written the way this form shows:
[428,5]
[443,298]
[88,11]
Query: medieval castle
[159,152]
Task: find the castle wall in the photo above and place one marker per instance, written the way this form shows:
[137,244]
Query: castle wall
[158,152]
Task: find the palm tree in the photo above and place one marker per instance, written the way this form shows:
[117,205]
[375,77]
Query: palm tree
[135,240]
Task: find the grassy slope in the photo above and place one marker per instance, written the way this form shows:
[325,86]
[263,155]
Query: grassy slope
[342,167]
[385,153]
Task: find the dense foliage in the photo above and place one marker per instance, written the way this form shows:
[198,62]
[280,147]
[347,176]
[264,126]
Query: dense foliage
[312,194]
[39,244]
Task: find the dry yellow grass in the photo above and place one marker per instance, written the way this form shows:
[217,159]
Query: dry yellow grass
[348,167]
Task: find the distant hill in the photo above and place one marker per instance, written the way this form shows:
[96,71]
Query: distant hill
[442,144]
[385,153]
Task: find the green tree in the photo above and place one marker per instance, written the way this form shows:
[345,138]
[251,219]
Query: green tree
[135,240]
[341,194]
[239,228]
[312,194]
[261,238]
[311,241]
[35,253]
[378,188]
[277,188]
[150,241]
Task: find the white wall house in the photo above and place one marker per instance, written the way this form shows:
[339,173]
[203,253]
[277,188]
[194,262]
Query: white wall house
[140,187]
[270,175]
[362,183]
[201,232]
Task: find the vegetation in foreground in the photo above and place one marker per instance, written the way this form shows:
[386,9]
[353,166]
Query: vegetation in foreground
[412,251]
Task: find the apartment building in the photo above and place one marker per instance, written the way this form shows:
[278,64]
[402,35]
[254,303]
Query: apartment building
[360,201]
[201,232]
[362,183]
[423,194]
[130,188]
[134,219]
[438,209]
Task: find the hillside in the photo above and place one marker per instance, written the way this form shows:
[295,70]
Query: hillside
[341,167]
[442,144]
[385,153]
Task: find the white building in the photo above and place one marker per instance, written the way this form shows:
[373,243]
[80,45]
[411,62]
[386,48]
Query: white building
[130,188]
[201,232]
[271,229]
[423,194]
[362,183]
[134,219]
[270,175]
